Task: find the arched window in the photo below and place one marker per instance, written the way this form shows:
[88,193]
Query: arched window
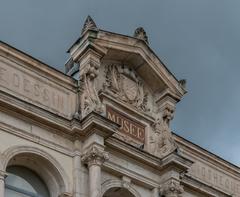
[22,182]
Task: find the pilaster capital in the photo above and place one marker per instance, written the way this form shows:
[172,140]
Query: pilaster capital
[172,188]
[95,156]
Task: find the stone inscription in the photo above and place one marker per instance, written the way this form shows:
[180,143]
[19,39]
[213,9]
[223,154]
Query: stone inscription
[215,178]
[129,127]
[34,89]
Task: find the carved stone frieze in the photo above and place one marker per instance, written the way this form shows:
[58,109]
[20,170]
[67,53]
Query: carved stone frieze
[95,156]
[124,84]
[172,189]
[89,100]
[161,140]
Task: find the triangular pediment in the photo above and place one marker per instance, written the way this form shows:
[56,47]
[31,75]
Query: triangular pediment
[121,78]
[133,52]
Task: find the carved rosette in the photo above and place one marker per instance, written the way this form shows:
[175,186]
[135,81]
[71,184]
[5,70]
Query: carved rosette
[124,84]
[172,189]
[89,99]
[161,141]
[95,156]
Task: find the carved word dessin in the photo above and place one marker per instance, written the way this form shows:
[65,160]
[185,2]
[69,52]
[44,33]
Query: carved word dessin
[33,89]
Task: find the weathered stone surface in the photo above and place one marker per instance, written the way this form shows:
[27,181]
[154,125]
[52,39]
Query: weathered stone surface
[106,132]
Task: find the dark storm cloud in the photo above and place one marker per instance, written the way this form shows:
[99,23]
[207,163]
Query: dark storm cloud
[197,40]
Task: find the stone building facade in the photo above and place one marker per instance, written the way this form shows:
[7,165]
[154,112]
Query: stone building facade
[103,128]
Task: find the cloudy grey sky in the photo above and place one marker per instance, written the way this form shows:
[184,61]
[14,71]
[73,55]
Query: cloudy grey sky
[198,40]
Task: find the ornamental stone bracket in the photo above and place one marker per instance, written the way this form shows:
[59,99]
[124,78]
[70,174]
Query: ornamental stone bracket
[172,188]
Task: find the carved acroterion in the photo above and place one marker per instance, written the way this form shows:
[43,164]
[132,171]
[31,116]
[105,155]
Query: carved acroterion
[140,33]
[88,24]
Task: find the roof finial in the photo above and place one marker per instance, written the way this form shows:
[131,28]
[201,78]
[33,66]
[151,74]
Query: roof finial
[88,24]
[141,34]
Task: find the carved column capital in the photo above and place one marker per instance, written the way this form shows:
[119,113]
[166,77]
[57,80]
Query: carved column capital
[172,188]
[95,156]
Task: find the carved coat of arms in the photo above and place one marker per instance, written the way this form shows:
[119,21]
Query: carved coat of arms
[125,85]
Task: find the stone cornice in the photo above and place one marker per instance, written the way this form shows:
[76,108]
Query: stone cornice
[173,160]
[73,128]
[203,188]
[33,64]
[192,150]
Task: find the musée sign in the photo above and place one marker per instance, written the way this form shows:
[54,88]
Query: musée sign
[129,127]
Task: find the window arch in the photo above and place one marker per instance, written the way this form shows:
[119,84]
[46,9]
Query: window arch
[43,164]
[23,182]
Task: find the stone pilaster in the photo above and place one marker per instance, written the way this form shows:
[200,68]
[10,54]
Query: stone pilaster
[172,188]
[3,175]
[94,158]
[77,170]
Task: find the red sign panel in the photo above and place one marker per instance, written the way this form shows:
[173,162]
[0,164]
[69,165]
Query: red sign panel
[129,127]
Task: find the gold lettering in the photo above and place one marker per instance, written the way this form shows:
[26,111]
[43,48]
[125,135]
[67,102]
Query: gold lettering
[135,130]
[126,126]
[111,117]
[141,133]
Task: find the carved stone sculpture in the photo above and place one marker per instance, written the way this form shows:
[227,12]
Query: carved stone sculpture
[172,189]
[141,34]
[162,142]
[124,84]
[89,100]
